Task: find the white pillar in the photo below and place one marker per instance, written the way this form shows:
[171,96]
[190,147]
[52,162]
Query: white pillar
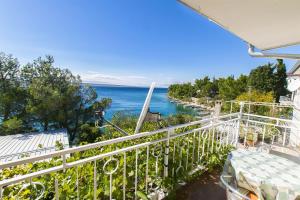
[217,109]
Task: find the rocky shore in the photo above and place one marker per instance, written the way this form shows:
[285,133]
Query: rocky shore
[204,109]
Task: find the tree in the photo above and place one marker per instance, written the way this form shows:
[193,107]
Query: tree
[11,94]
[11,126]
[280,80]
[58,99]
[88,133]
[45,84]
[242,83]
[182,91]
[214,90]
[229,88]
[225,88]
[206,88]
[257,96]
[41,96]
[203,87]
[262,78]
[269,78]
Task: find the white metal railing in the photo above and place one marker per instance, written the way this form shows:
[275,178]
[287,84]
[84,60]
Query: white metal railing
[260,108]
[125,166]
[40,151]
[265,130]
[270,104]
[149,162]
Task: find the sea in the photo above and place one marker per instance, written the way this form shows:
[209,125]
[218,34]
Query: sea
[130,100]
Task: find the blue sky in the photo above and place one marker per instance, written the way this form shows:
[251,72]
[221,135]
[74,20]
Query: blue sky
[131,42]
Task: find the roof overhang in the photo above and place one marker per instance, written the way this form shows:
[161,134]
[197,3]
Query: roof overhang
[265,24]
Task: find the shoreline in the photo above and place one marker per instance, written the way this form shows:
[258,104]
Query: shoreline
[205,109]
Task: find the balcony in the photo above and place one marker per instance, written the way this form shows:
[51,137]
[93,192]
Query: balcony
[148,165]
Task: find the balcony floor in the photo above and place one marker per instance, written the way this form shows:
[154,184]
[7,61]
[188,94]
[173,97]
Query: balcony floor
[205,187]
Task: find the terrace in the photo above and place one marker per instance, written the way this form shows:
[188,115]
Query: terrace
[261,153]
[149,164]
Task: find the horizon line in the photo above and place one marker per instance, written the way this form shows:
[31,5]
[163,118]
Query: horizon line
[122,85]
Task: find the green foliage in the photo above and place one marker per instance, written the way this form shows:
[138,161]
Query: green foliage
[11,92]
[182,91]
[128,121]
[59,145]
[280,84]
[104,103]
[57,99]
[89,133]
[257,96]
[253,135]
[173,120]
[206,88]
[262,78]
[230,88]
[181,154]
[270,78]
[223,88]
[40,96]
[141,195]
[11,126]
[266,78]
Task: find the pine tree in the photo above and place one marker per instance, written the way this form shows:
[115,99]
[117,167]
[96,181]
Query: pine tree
[280,80]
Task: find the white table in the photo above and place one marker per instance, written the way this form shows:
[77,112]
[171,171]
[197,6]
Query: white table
[268,175]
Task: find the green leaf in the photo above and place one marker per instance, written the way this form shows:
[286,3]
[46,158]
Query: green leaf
[142,195]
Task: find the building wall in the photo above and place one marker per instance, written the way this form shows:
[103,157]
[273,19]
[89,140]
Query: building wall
[295,133]
[297,71]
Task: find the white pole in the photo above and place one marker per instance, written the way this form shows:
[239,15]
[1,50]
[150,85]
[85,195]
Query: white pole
[239,120]
[145,109]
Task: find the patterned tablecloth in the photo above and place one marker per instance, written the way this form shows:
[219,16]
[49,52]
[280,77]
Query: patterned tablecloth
[268,175]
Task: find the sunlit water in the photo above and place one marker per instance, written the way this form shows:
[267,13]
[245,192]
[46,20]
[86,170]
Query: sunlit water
[131,100]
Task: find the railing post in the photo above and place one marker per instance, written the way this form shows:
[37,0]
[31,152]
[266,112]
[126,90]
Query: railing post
[284,137]
[56,189]
[249,110]
[239,122]
[167,150]
[264,133]
[273,109]
[95,182]
[64,162]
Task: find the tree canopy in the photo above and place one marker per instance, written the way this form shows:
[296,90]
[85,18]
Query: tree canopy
[11,91]
[40,96]
[264,79]
[270,78]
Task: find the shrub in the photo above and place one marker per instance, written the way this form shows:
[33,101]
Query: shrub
[11,126]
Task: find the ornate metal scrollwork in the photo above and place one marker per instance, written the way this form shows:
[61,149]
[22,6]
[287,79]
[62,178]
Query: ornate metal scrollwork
[156,153]
[111,160]
[34,185]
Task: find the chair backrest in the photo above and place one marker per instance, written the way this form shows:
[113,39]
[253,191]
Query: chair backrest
[231,192]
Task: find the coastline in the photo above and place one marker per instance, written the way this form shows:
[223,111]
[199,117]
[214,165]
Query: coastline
[131,99]
[202,110]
